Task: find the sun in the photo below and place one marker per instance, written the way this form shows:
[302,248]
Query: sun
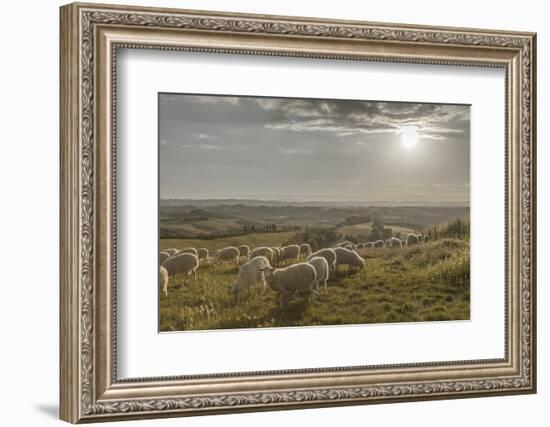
[409,136]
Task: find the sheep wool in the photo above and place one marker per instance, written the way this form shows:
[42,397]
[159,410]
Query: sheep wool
[244,250]
[250,275]
[171,251]
[350,258]
[412,239]
[229,253]
[394,242]
[163,256]
[277,253]
[189,251]
[163,280]
[305,250]
[330,256]
[299,277]
[321,269]
[185,264]
[202,253]
[290,252]
[262,251]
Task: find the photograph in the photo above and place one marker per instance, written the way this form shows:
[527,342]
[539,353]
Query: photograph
[280,212]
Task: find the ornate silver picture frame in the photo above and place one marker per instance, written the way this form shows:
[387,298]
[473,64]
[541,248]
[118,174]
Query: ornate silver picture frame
[91,390]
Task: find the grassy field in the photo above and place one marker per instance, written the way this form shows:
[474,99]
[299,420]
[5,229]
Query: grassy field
[362,230]
[253,240]
[428,282]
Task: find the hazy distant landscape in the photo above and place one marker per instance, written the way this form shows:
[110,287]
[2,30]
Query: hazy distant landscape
[187,219]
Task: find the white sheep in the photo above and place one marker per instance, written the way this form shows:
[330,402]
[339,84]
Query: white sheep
[163,256]
[330,256]
[378,244]
[202,253]
[185,263]
[163,280]
[321,269]
[369,245]
[250,275]
[299,277]
[277,254]
[342,244]
[189,251]
[229,253]
[412,239]
[244,250]
[360,246]
[350,258]
[171,251]
[394,242]
[291,252]
[305,250]
[262,251]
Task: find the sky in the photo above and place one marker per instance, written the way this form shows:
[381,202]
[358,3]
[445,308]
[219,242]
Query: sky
[303,150]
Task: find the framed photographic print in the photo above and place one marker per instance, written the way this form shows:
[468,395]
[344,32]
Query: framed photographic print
[265,212]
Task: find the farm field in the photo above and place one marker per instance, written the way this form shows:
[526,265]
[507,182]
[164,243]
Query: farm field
[425,282]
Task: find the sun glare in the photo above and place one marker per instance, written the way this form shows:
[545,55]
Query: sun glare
[409,136]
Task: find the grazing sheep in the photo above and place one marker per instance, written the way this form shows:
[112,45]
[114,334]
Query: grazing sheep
[412,239]
[394,242]
[171,251]
[299,277]
[244,250]
[305,250]
[350,258]
[163,256]
[321,269]
[330,256]
[163,280]
[360,246]
[426,238]
[369,245]
[342,244]
[202,253]
[378,244]
[277,253]
[182,264]
[263,251]
[229,253]
[189,251]
[250,275]
[290,252]
[349,246]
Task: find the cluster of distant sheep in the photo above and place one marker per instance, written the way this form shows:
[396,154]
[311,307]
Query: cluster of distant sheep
[265,266]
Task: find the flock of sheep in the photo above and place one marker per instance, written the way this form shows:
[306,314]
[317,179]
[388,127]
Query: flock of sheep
[263,265]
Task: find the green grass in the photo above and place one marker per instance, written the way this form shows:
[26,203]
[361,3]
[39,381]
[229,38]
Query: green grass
[426,282]
[253,240]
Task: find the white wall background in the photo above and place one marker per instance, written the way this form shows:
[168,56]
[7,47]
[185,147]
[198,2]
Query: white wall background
[29,170]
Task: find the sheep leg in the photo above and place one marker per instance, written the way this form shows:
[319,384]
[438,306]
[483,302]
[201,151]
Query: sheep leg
[326,286]
[195,275]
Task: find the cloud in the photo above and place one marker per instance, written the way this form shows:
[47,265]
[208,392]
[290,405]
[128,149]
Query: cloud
[292,151]
[209,99]
[211,147]
[204,136]
[348,118]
